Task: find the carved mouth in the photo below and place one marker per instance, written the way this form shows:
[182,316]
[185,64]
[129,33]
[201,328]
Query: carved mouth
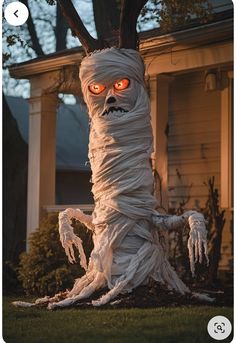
[114,109]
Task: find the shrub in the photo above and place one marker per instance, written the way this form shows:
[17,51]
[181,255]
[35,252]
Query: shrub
[45,269]
[11,284]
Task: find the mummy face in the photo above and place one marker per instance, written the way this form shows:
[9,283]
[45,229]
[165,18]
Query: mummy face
[111,83]
[111,99]
[114,99]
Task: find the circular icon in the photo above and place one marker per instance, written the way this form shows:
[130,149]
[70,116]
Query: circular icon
[219,327]
[16,13]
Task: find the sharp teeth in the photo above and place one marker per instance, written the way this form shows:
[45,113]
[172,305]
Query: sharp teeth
[110,111]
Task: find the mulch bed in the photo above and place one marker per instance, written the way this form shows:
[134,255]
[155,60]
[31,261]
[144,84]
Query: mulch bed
[156,295]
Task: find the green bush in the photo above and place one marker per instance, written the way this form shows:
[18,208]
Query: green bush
[44,269]
[11,284]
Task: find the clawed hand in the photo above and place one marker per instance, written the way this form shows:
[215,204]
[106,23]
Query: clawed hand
[68,239]
[197,241]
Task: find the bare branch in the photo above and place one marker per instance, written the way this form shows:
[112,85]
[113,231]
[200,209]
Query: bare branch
[33,35]
[44,20]
[88,42]
[107,20]
[60,30]
[129,14]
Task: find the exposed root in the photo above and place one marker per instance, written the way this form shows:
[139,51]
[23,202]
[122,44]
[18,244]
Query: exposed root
[85,292]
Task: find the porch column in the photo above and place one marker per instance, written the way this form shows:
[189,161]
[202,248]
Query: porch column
[159,89]
[226,195]
[42,156]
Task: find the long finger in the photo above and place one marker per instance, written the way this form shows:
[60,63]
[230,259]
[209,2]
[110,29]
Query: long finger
[191,256]
[200,242]
[205,251]
[67,251]
[72,253]
[196,250]
[83,260]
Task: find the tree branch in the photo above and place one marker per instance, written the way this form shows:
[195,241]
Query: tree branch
[88,42]
[33,35]
[107,20]
[129,14]
[60,30]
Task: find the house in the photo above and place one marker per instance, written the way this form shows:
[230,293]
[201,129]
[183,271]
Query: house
[189,74]
[73,173]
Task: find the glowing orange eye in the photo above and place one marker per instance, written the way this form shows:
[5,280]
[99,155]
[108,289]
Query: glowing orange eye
[96,88]
[122,84]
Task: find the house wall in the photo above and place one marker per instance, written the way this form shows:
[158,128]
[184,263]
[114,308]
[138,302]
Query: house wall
[197,140]
[193,140]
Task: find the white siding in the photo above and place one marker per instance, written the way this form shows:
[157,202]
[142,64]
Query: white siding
[193,140]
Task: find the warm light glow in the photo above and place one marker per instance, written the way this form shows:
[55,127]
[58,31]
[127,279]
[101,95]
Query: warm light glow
[96,88]
[122,84]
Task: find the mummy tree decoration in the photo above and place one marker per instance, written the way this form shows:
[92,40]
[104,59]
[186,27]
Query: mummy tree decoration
[127,250]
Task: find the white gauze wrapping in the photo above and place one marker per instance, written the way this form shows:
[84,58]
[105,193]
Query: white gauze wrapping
[125,248]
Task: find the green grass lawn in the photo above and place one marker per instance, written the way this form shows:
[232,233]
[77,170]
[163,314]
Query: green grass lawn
[161,325]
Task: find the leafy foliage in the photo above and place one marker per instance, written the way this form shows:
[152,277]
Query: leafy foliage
[51,2]
[172,14]
[11,284]
[45,268]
